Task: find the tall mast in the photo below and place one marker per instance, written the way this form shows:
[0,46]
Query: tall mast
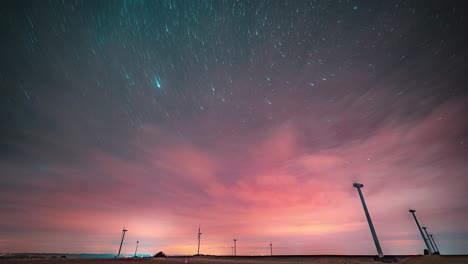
[437,248]
[371,226]
[420,230]
[428,238]
[235,240]
[199,234]
[121,242]
[136,249]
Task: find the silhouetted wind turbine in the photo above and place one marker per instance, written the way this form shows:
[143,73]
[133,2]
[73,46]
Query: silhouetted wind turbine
[235,240]
[420,230]
[434,243]
[430,241]
[198,252]
[121,242]
[371,226]
[271,249]
[136,248]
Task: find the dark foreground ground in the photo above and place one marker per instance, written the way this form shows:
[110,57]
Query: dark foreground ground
[251,260]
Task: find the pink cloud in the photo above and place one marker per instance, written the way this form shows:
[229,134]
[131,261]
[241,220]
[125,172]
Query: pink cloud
[276,188]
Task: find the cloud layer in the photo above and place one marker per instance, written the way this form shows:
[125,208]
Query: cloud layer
[249,119]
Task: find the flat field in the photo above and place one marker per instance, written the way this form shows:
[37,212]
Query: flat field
[247,260]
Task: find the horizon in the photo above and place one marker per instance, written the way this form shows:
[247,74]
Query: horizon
[208,255]
[251,120]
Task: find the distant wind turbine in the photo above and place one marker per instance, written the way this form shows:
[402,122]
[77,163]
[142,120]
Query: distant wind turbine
[121,242]
[199,234]
[235,240]
[271,249]
[428,238]
[136,249]
[437,248]
[420,231]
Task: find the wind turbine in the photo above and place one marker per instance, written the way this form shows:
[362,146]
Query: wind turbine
[420,230]
[437,248]
[371,226]
[235,240]
[136,249]
[271,249]
[121,242]
[428,238]
[198,252]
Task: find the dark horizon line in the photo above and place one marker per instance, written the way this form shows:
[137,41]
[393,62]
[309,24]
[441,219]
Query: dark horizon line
[231,256]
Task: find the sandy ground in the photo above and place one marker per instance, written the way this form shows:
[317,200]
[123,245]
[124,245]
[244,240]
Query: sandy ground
[207,260]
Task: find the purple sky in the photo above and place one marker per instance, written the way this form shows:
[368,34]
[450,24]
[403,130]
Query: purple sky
[249,119]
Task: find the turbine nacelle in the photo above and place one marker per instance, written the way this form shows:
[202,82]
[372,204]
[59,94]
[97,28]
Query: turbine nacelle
[358,185]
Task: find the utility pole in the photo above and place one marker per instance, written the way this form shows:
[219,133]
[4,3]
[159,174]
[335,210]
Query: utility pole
[136,249]
[121,242]
[420,230]
[427,235]
[198,252]
[371,226]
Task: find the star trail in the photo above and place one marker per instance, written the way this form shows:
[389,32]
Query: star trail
[247,118]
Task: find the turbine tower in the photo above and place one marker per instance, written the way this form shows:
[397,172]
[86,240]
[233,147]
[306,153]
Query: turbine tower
[371,226]
[420,230]
[437,248]
[136,249]
[121,242]
[271,249]
[235,240]
[198,252]
[428,238]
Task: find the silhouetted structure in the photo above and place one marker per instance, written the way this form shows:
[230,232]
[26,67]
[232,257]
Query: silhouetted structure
[437,248]
[428,238]
[121,242]
[198,251]
[420,230]
[136,249]
[371,226]
[160,254]
[235,240]
[271,249]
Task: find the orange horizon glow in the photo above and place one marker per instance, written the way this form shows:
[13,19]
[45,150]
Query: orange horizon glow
[247,119]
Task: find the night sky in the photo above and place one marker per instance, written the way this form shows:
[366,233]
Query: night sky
[247,118]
